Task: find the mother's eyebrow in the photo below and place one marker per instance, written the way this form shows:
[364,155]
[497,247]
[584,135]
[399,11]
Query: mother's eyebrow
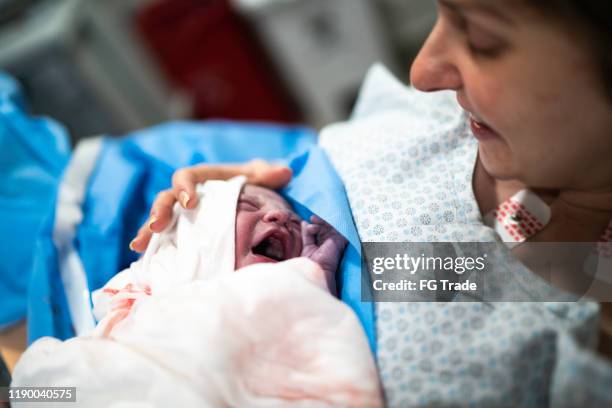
[482,6]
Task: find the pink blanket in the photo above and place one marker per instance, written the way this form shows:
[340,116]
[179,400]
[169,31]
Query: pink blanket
[269,335]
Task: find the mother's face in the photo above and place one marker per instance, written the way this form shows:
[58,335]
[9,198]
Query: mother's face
[538,106]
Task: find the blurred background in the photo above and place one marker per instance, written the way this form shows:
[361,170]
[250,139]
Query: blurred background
[111,66]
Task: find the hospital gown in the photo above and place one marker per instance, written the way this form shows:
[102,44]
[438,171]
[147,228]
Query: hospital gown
[407,161]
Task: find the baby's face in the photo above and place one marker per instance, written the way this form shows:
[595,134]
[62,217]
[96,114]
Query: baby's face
[267,229]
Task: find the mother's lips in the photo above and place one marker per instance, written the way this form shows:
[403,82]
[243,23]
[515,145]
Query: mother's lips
[480,129]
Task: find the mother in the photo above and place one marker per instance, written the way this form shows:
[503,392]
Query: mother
[535,81]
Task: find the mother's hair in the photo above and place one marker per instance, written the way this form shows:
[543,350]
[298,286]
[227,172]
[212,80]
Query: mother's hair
[594,19]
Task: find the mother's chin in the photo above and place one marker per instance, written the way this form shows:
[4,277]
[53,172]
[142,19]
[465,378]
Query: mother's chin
[496,159]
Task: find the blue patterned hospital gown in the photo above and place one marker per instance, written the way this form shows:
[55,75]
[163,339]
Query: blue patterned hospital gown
[407,159]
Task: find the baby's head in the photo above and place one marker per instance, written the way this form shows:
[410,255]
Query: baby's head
[267,228]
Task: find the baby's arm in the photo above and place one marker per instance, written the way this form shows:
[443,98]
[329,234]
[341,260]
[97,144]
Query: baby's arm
[325,246]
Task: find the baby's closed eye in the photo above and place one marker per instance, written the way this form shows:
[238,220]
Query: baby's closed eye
[248,204]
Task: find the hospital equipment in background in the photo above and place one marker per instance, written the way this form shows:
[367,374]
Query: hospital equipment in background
[322,49]
[409,22]
[111,66]
[207,50]
[79,64]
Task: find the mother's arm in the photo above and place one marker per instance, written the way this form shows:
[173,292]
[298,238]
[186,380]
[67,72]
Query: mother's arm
[183,190]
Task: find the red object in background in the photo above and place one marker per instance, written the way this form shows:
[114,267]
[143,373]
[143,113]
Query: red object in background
[206,50]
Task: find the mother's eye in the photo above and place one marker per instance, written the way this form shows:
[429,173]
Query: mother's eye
[488,51]
[482,43]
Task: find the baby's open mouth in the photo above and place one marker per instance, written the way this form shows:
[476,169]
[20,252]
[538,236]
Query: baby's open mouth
[274,245]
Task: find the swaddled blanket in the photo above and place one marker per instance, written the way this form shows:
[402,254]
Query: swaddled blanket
[179,327]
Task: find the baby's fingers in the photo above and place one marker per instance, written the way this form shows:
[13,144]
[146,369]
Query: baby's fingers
[325,227]
[313,229]
[334,241]
[315,219]
[325,230]
[339,241]
[308,234]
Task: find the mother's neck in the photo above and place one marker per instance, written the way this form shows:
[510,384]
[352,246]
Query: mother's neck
[578,216]
[583,214]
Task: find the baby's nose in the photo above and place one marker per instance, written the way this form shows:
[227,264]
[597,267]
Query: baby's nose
[277,215]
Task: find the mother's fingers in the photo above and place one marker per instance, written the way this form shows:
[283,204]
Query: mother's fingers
[183,190]
[141,241]
[267,175]
[161,214]
[161,211]
[184,183]
[258,172]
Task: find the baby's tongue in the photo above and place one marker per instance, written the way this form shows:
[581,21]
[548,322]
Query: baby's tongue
[271,247]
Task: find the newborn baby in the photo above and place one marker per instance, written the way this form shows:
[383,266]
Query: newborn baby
[268,230]
[235,225]
[182,327]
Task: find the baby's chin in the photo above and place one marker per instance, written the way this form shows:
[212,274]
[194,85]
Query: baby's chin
[252,259]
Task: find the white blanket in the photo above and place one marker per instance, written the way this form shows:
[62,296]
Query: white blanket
[269,335]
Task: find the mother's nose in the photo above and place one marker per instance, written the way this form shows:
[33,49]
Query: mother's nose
[277,215]
[435,67]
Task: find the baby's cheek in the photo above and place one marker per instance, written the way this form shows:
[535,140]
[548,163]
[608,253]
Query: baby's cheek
[242,245]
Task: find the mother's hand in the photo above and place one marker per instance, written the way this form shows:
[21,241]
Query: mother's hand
[184,182]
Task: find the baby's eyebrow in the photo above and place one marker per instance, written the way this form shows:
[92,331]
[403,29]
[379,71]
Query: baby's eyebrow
[249,197]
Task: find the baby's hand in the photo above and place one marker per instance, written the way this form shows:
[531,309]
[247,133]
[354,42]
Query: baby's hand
[323,245]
